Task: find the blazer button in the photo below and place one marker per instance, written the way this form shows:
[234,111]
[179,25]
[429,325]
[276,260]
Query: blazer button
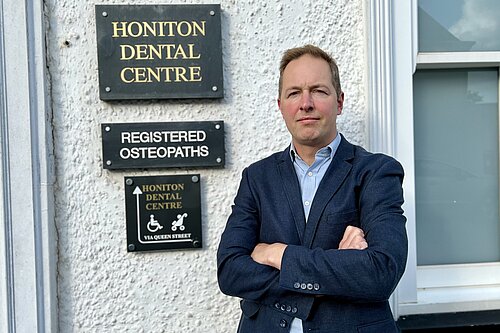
[316,286]
[294,310]
[296,285]
[283,307]
[283,323]
[303,286]
[277,305]
[288,308]
[310,286]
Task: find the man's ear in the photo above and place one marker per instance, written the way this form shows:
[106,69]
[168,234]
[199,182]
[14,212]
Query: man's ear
[279,103]
[340,103]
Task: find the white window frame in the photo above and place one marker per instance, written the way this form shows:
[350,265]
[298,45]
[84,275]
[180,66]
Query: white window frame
[28,274]
[393,57]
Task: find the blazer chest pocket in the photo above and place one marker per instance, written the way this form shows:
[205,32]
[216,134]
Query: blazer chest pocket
[331,230]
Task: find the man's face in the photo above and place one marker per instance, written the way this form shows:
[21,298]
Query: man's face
[309,103]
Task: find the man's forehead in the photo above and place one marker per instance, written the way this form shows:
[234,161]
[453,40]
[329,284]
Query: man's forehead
[323,79]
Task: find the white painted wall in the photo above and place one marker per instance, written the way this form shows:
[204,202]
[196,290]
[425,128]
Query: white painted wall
[101,287]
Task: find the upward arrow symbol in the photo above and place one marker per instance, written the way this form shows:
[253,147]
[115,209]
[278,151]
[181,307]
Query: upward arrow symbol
[137,192]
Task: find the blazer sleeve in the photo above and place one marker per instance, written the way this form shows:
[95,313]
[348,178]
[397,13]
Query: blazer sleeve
[238,274]
[358,275]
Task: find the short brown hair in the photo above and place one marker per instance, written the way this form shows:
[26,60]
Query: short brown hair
[295,53]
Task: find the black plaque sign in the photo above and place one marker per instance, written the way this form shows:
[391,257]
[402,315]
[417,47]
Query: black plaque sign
[163,145]
[159,51]
[163,212]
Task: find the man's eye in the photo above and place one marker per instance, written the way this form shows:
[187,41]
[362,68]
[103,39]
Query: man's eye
[320,91]
[292,93]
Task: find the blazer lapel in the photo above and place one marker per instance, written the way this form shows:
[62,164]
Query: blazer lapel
[292,192]
[334,177]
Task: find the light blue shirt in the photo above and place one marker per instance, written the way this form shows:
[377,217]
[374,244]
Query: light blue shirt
[309,179]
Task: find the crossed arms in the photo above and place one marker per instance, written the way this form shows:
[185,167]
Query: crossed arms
[271,254]
[260,257]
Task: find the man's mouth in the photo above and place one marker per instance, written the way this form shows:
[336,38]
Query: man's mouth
[307,119]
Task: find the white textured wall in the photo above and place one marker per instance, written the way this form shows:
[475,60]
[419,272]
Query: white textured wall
[102,288]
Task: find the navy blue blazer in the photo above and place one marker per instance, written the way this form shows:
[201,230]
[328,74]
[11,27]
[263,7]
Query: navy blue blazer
[331,290]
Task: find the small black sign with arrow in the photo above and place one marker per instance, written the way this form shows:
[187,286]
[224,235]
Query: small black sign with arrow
[163,212]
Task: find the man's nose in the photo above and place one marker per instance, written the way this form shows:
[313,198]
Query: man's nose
[307,101]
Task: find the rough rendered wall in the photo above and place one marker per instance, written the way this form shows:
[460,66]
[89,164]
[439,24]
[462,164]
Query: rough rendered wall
[102,288]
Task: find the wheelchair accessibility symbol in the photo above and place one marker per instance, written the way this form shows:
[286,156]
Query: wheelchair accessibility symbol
[179,222]
[153,225]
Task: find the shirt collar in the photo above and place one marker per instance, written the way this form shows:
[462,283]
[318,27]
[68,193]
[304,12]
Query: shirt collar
[330,149]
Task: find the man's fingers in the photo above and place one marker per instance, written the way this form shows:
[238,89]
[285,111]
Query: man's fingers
[354,238]
[351,234]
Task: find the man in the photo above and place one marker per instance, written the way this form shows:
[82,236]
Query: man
[316,241]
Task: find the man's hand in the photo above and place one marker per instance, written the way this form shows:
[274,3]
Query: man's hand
[269,254]
[354,238]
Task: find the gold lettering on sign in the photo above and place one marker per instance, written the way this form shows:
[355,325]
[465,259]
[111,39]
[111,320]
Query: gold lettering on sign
[158,44]
[162,187]
[163,205]
[158,51]
[158,29]
[163,196]
[160,74]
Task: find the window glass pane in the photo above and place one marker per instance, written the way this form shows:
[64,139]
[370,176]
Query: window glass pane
[458,25]
[456,166]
